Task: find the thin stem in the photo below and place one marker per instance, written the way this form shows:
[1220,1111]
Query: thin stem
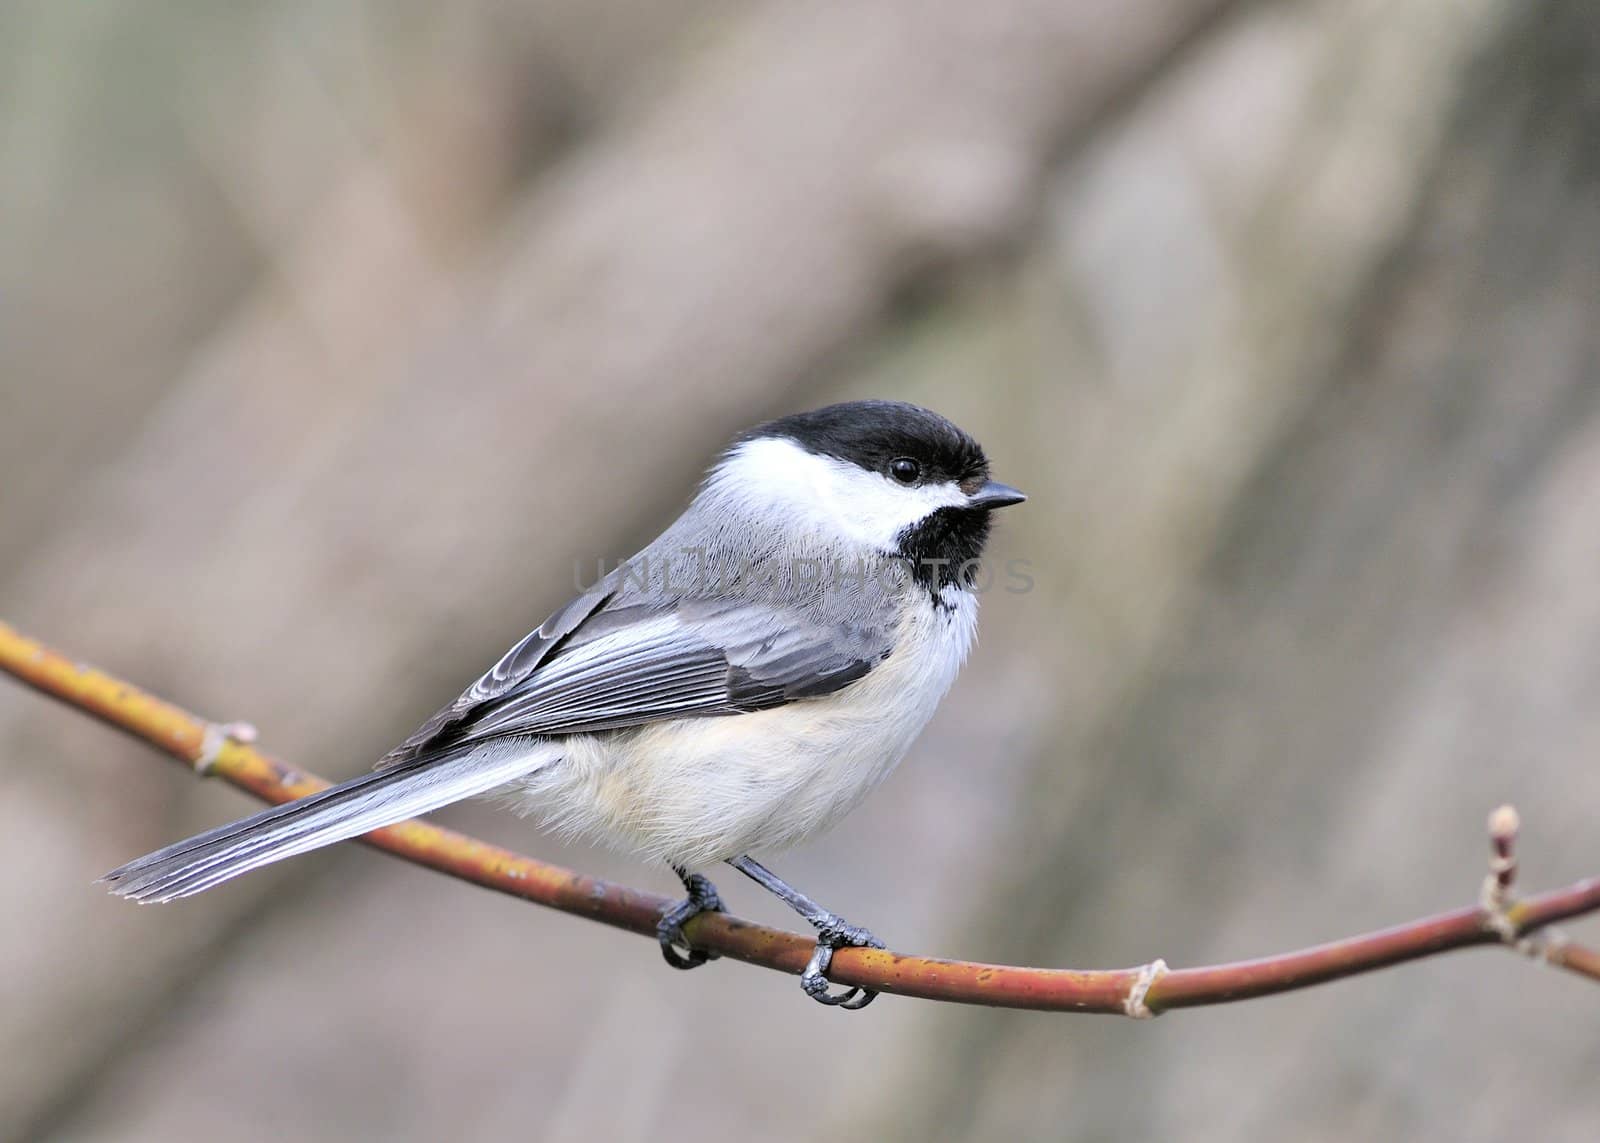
[226,753]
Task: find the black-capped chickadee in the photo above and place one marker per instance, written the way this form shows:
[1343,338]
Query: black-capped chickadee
[741,684]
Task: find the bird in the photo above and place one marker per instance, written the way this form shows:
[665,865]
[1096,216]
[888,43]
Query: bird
[737,686]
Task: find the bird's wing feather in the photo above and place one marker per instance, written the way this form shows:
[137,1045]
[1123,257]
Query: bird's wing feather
[637,664]
[512,670]
[602,664]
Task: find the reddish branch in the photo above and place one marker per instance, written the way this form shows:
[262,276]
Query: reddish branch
[226,752]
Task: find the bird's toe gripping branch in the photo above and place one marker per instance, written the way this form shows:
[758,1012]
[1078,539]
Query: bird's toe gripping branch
[836,933]
[702,898]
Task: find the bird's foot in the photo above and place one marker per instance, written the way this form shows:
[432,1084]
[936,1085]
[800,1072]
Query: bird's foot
[702,898]
[834,932]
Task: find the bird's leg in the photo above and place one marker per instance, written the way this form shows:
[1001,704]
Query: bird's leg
[833,932]
[702,898]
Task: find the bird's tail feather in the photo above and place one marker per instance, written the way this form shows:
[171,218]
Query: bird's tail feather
[348,810]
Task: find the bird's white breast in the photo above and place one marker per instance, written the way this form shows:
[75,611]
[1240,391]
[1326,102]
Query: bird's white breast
[692,792]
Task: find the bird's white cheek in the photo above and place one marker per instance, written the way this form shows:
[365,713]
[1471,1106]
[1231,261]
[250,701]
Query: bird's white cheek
[824,496]
[875,511]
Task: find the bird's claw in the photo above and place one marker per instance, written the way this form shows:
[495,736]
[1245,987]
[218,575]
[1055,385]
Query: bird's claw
[702,898]
[837,934]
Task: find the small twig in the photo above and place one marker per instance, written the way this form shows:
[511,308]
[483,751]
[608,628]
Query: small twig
[1495,897]
[1558,950]
[1138,992]
[1550,945]
[1503,826]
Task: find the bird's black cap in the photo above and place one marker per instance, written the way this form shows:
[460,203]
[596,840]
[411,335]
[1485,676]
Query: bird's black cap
[872,434]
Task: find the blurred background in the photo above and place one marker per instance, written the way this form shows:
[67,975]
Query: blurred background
[336,338]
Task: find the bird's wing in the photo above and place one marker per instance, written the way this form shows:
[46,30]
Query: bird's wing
[602,665]
[514,669]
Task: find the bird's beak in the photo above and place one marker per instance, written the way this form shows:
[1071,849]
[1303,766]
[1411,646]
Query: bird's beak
[995,495]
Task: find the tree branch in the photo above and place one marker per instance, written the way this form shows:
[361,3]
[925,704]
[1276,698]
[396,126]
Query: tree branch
[226,751]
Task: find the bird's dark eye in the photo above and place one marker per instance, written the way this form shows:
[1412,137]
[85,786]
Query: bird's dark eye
[905,470]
